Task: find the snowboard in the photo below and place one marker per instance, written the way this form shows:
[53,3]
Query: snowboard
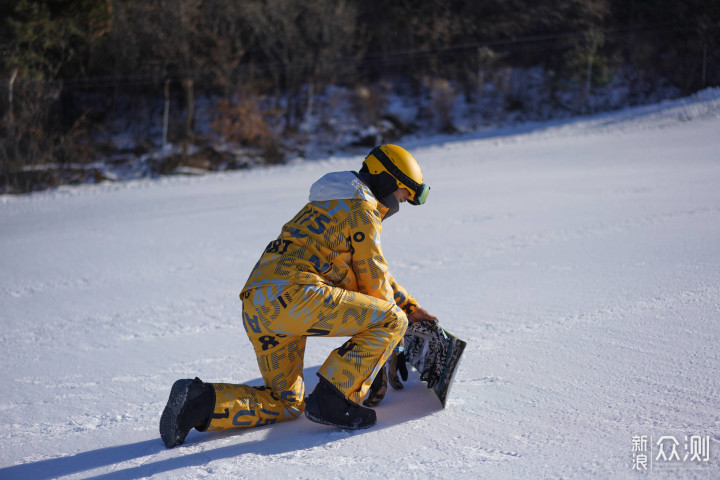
[435,354]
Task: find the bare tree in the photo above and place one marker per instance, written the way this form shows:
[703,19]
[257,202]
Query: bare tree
[223,41]
[165,42]
[43,45]
[304,43]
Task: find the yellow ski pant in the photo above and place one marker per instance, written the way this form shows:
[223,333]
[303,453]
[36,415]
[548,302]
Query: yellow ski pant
[278,318]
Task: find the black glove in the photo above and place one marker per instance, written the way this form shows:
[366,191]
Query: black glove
[397,364]
[377,389]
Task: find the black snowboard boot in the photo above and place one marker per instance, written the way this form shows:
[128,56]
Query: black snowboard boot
[327,405]
[190,405]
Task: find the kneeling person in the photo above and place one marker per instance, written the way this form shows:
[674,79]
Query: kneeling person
[325,275]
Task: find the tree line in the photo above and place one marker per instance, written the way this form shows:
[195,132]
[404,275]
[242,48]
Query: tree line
[65,62]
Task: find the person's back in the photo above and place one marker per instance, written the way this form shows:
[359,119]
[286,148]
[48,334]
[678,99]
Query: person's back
[334,240]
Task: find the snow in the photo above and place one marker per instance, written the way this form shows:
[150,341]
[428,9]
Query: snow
[579,259]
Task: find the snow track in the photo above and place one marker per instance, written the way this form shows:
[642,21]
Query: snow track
[578,259]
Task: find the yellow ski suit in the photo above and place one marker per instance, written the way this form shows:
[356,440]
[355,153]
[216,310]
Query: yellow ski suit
[325,275]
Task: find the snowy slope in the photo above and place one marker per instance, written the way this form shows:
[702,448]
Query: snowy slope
[581,262]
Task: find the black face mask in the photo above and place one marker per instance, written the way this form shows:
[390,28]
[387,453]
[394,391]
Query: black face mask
[392,203]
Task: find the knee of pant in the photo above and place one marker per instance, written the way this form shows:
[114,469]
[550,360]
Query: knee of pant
[399,326]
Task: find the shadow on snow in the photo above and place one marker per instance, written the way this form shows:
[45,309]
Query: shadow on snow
[281,438]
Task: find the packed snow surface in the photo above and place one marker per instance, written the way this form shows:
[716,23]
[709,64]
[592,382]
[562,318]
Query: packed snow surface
[579,260]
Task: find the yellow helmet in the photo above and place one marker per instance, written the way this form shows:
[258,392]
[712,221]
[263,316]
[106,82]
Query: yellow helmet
[402,167]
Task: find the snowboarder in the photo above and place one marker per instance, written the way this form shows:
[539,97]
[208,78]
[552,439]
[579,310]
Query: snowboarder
[325,275]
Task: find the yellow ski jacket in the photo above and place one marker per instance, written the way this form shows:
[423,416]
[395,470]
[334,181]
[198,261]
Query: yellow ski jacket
[334,240]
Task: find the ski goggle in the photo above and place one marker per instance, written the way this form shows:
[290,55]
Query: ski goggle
[419,191]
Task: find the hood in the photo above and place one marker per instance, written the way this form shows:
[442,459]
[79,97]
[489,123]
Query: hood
[340,186]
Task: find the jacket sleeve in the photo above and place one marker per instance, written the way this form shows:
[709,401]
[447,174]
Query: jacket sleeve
[369,265]
[402,298]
